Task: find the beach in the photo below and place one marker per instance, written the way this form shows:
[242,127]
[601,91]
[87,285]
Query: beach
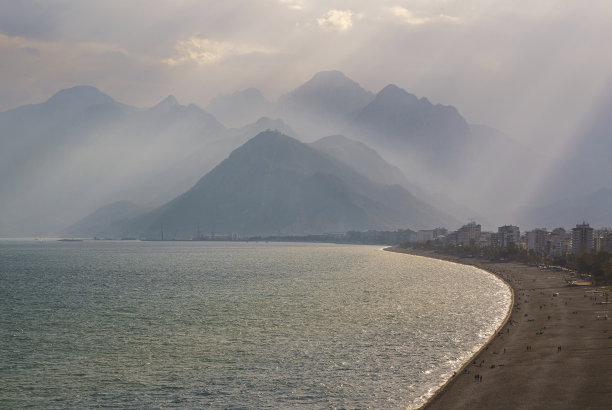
[553,351]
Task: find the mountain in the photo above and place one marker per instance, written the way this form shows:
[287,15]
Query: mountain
[105,221]
[274,184]
[324,104]
[401,117]
[263,124]
[240,108]
[362,158]
[369,163]
[81,148]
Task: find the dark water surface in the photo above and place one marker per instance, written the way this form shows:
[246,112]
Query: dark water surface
[234,325]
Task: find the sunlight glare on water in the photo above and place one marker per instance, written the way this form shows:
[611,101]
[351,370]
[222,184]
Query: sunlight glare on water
[151,324]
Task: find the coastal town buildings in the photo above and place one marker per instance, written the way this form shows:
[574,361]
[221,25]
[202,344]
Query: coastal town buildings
[431,234]
[582,239]
[537,241]
[559,242]
[602,240]
[438,232]
[494,240]
[508,234]
[468,234]
[485,239]
[608,242]
[425,235]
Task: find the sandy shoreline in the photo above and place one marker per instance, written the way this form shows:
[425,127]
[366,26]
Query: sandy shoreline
[554,350]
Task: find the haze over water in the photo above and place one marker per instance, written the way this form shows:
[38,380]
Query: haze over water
[151,324]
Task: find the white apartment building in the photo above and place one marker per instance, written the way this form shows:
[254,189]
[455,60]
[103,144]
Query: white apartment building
[537,241]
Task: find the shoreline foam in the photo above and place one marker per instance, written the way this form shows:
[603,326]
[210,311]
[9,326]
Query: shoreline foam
[550,352]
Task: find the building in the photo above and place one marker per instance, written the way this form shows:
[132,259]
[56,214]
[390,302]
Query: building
[537,241]
[508,234]
[484,239]
[425,235]
[608,242]
[494,240]
[602,239]
[468,234]
[582,239]
[559,242]
[452,239]
[440,232]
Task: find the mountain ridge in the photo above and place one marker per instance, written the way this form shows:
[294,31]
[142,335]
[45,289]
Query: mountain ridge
[275,184]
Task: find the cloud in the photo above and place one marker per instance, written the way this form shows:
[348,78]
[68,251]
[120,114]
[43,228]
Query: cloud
[293,4]
[339,20]
[206,51]
[408,17]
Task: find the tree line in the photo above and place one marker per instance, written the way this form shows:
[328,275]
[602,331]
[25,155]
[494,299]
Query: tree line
[597,265]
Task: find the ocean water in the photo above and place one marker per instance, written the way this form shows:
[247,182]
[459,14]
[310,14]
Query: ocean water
[234,325]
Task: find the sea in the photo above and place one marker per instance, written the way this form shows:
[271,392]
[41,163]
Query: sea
[133,324]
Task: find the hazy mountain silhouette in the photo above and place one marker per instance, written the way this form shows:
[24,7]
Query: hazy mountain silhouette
[106,221]
[401,117]
[367,161]
[275,184]
[240,108]
[64,157]
[362,158]
[81,149]
[324,104]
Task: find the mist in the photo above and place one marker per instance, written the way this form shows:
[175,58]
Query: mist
[495,113]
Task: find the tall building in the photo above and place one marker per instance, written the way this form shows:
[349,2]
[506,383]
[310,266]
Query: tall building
[559,242]
[468,234]
[608,242]
[601,239]
[582,239]
[508,234]
[537,241]
[494,240]
[484,240]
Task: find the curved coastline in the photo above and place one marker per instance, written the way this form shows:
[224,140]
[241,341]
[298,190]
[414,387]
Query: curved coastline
[482,348]
[442,387]
[552,350]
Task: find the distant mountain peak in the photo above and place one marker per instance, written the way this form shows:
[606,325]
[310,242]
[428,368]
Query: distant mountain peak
[328,99]
[269,137]
[331,75]
[166,104]
[329,80]
[250,92]
[393,94]
[81,95]
[274,184]
[169,100]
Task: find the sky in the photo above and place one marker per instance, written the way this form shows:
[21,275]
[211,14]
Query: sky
[532,69]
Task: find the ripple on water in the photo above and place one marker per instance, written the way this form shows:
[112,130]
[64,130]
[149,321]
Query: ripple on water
[137,324]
